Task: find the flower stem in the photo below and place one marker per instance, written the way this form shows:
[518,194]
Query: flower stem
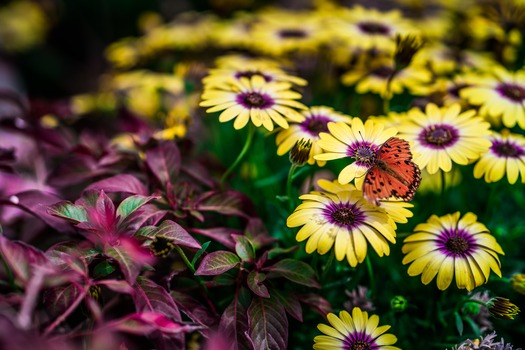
[327,266]
[293,167]
[185,258]
[371,275]
[246,147]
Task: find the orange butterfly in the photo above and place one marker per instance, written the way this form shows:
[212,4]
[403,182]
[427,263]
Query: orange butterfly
[393,173]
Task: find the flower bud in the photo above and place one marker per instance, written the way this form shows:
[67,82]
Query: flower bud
[398,303]
[300,152]
[518,283]
[502,308]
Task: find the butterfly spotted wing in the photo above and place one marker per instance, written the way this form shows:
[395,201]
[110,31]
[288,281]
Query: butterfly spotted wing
[394,174]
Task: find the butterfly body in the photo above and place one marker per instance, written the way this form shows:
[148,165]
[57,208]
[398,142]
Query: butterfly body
[393,173]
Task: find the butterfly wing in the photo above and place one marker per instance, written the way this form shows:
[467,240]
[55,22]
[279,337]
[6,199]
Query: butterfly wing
[394,174]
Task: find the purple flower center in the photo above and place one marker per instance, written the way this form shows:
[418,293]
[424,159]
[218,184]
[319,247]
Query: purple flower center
[456,243]
[507,149]
[439,136]
[383,72]
[359,341]
[250,73]
[511,91]
[345,215]
[374,28]
[254,100]
[315,125]
[364,153]
[292,33]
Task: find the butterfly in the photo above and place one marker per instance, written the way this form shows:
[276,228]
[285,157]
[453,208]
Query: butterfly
[392,173]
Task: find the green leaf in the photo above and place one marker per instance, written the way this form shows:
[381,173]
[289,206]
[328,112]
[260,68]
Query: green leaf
[103,269]
[217,262]
[68,211]
[199,252]
[295,271]
[459,323]
[244,248]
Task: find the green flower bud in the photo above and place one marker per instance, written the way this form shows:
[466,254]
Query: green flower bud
[398,303]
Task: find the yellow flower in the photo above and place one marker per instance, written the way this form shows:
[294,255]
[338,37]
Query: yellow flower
[451,246]
[315,121]
[356,331]
[505,156]
[441,136]
[500,95]
[357,140]
[344,220]
[264,103]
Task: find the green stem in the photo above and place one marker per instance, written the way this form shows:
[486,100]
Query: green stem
[371,276]
[327,266]
[386,105]
[293,167]
[443,190]
[246,147]
[185,258]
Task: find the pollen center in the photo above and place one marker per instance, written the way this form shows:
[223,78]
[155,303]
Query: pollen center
[344,216]
[365,155]
[374,28]
[506,149]
[439,136]
[360,345]
[292,33]
[255,100]
[512,91]
[457,245]
[315,125]
[383,72]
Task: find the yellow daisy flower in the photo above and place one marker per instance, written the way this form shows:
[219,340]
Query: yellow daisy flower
[279,32]
[441,136]
[451,246]
[315,121]
[500,95]
[344,220]
[356,331]
[396,209]
[357,140]
[506,156]
[264,103]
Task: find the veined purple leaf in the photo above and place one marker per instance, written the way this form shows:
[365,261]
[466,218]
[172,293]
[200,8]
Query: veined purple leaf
[317,303]
[69,211]
[20,257]
[244,248]
[144,323]
[130,256]
[194,309]
[222,235]
[268,324]
[255,283]
[295,271]
[290,302]
[164,162]
[37,202]
[120,183]
[217,262]
[226,203]
[101,215]
[130,205]
[234,324]
[175,233]
[150,297]
[58,299]
[257,233]
[119,286]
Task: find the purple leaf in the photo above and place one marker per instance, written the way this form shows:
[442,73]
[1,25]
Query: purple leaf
[37,203]
[217,262]
[130,256]
[194,309]
[164,162]
[118,286]
[257,233]
[234,324]
[317,303]
[21,257]
[268,324]
[69,211]
[177,234]
[222,235]
[290,302]
[150,297]
[145,323]
[58,299]
[255,283]
[120,183]
[226,203]
[295,271]
[244,248]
